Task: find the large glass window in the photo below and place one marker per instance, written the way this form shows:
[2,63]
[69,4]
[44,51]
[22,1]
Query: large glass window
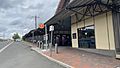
[74,35]
[86,37]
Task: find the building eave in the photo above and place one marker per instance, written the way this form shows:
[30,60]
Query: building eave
[66,13]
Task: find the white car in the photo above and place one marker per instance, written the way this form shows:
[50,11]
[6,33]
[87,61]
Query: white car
[18,40]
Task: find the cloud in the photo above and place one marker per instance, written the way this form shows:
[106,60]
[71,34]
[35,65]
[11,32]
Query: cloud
[37,6]
[7,4]
[2,29]
[18,15]
[16,22]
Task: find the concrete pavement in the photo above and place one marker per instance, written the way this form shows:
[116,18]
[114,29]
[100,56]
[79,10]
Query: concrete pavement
[18,55]
[82,59]
[50,58]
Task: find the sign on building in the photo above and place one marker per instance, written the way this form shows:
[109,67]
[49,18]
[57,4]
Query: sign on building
[51,28]
[41,26]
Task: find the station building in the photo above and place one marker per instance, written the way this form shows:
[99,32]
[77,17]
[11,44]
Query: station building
[94,24]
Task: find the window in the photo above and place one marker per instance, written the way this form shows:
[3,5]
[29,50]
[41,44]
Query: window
[74,35]
[86,37]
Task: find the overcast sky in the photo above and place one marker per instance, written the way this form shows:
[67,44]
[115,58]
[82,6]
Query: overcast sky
[17,15]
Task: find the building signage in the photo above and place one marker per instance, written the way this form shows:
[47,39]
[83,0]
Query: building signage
[41,26]
[51,28]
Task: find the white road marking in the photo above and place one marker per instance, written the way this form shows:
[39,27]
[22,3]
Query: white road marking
[5,47]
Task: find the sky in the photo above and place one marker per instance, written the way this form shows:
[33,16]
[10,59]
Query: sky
[17,16]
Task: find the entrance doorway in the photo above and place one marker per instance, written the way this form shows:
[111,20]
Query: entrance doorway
[62,39]
[86,37]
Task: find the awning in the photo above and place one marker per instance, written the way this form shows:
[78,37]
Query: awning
[84,9]
[66,13]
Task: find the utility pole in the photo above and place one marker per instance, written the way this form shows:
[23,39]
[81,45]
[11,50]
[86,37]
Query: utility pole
[35,18]
[36,22]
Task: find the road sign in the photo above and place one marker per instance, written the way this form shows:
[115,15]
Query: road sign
[41,26]
[51,28]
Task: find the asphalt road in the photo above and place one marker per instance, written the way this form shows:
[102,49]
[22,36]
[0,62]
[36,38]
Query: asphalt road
[4,43]
[19,55]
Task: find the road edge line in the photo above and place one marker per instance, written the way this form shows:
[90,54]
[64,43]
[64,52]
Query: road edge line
[1,50]
[54,60]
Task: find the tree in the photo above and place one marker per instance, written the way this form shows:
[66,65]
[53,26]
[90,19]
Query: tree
[16,36]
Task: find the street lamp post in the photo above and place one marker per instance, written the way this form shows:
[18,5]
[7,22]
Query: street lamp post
[46,37]
[36,22]
[35,18]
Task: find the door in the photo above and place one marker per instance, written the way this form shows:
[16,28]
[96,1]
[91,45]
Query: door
[86,37]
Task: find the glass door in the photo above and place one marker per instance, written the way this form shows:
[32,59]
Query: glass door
[86,37]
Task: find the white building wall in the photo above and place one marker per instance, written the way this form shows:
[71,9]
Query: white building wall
[104,33]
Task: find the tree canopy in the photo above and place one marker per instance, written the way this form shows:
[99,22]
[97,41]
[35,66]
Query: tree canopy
[16,36]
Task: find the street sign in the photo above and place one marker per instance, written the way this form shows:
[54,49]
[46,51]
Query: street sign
[51,28]
[41,26]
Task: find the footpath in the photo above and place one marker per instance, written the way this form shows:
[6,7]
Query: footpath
[75,58]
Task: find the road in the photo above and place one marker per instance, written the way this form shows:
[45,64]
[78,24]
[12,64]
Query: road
[3,43]
[19,55]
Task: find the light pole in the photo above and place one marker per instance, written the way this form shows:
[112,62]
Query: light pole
[36,21]
[35,18]
[46,37]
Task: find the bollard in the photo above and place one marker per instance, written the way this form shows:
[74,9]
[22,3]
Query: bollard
[46,46]
[39,44]
[42,45]
[56,48]
[50,45]
[33,43]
